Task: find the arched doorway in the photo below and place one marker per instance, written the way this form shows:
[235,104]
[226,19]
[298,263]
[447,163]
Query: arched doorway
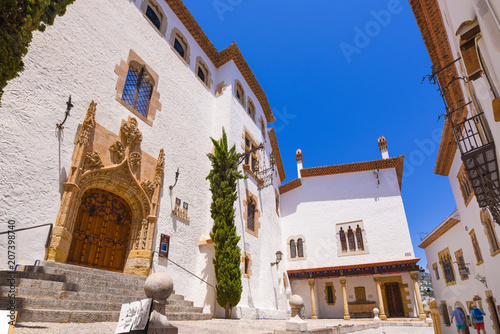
[394,302]
[101,231]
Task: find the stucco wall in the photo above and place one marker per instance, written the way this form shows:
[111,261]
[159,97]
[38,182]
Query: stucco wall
[315,208]
[77,56]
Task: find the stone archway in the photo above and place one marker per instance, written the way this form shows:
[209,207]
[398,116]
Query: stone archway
[112,165]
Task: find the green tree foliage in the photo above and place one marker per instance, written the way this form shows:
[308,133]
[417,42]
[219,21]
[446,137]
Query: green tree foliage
[18,20]
[223,178]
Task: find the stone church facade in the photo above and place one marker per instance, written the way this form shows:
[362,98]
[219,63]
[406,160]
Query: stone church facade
[126,171]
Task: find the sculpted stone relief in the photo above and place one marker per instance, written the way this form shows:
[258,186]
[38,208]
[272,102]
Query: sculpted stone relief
[112,173]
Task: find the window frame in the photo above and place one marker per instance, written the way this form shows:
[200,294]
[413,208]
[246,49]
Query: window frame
[176,34]
[239,90]
[329,287]
[252,198]
[159,12]
[476,248]
[348,244]
[446,262]
[490,232]
[122,71]
[202,66]
[293,247]
[465,185]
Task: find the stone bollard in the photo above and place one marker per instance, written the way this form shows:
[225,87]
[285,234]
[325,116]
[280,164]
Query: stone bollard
[159,286]
[296,323]
[427,312]
[375,313]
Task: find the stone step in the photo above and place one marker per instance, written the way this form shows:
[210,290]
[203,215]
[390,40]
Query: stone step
[33,315]
[5,276]
[57,304]
[28,292]
[38,284]
[84,272]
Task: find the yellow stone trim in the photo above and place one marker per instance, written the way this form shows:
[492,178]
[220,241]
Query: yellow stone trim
[444,252]
[176,33]
[256,218]
[477,253]
[247,274]
[327,284]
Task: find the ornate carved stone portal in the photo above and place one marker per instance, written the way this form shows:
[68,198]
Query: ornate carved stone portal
[112,168]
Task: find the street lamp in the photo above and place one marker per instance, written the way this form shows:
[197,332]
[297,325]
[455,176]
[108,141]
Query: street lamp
[279,256]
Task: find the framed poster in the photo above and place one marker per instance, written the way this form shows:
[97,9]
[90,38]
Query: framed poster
[164,245]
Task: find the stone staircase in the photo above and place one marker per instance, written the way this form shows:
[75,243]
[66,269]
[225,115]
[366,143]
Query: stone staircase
[57,292]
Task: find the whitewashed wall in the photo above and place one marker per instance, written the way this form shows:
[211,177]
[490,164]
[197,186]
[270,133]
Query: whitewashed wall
[315,208]
[77,56]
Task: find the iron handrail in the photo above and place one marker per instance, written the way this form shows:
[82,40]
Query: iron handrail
[201,279]
[31,227]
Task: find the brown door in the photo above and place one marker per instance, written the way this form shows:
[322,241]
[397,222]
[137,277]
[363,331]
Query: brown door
[101,232]
[394,302]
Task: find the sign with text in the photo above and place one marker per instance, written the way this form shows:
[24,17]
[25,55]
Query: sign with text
[164,245]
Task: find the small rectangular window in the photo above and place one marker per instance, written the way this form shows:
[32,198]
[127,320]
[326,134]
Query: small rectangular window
[153,17]
[251,215]
[179,48]
[201,74]
[330,294]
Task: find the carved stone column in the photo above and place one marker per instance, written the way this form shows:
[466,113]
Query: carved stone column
[376,278]
[414,277]
[62,233]
[344,298]
[313,298]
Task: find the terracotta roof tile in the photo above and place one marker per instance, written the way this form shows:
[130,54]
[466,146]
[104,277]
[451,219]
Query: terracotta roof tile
[290,186]
[277,155]
[432,28]
[232,52]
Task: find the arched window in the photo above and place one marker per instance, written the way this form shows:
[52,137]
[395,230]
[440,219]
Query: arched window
[251,107]
[239,92]
[263,128]
[359,238]
[300,248]
[138,89]
[247,264]
[180,45]
[293,250]
[202,72]
[154,13]
[153,16]
[489,230]
[475,246]
[350,238]
[343,240]
[448,268]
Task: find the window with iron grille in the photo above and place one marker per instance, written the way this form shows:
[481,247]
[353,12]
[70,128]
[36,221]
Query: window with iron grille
[330,299]
[343,240]
[350,238]
[251,215]
[137,90]
[359,238]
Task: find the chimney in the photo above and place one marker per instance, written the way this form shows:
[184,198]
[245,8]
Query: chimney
[299,158]
[382,145]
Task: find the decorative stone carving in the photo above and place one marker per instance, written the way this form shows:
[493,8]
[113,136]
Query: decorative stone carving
[160,168]
[131,132]
[88,125]
[119,151]
[92,159]
[142,236]
[135,159]
[148,187]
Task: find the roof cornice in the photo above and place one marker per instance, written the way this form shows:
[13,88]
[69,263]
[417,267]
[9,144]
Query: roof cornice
[277,155]
[232,52]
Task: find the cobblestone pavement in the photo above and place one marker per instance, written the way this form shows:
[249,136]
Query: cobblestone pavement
[216,326]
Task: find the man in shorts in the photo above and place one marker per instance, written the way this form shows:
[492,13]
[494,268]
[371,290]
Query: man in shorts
[460,320]
[478,316]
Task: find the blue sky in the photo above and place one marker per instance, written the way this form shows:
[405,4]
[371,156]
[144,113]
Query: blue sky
[339,74]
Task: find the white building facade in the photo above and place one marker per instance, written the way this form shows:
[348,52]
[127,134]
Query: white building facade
[123,176]
[347,242]
[463,40]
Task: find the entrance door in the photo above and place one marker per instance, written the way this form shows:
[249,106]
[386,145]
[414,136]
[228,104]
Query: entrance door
[394,302]
[101,231]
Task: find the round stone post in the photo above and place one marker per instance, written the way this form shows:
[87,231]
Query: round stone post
[159,286]
[414,277]
[376,278]
[313,299]
[344,298]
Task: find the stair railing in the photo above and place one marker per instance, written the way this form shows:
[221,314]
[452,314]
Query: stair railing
[47,242]
[201,279]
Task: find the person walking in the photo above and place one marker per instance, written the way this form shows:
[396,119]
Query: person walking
[478,316]
[459,320]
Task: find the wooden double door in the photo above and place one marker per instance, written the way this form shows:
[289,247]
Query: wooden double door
[394,301]
[101,231]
